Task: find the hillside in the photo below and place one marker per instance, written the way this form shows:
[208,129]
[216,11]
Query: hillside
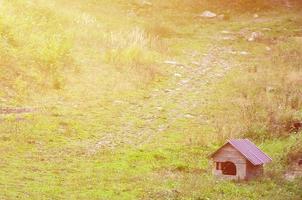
[112,99]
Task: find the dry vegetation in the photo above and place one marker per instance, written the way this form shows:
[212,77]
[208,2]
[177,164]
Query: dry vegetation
[295,153]
[266,96]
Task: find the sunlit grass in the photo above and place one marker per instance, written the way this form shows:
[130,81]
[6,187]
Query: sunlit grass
[94,71]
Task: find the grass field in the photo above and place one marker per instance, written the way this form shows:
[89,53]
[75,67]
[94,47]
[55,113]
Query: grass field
[128,98]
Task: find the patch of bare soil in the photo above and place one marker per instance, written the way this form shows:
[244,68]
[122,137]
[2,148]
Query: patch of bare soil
[295,170]
[7,111]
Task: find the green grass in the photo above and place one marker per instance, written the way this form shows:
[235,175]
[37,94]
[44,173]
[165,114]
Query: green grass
[94,70]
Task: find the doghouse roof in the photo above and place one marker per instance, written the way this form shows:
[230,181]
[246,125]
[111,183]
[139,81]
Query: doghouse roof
[249,150]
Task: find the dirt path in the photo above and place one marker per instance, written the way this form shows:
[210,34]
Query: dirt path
[185,92]
[7,111]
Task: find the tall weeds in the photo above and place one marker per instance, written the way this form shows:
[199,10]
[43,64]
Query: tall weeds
[133,51]
[262,101]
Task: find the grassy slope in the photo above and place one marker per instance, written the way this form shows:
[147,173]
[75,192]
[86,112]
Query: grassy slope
[98,97]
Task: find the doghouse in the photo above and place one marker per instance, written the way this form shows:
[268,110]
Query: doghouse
[239,159]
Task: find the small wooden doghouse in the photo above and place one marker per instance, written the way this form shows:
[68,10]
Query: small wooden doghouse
[239,159]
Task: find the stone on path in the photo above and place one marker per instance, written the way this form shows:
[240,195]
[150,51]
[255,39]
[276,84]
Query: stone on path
[225,32]
[185,81]
[243,53]
[173,62]
[177,75]
[195,63]
[227,38]
[159,108]
[146,3]
[189,116]
[208,14]
[118,102]
[255,36]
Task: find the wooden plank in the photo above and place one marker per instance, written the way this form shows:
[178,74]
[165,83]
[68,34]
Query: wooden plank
[230,159]
[229,153]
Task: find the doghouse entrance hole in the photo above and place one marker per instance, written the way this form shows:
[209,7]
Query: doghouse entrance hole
[229,168]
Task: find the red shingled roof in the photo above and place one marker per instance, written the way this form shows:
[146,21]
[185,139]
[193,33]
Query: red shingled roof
[250,151]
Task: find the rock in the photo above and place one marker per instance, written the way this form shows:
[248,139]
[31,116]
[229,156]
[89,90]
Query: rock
[184,81]
[177,75]
[239,53]
[208,14]
[193,53]
[118,102]
[172,62]
[244,33]
[219,75]
[159,108]
[195,63]
[228,38]
[255,36]
[266,29]
[104,144]
[189,116]
[270,89]
[243,53]
[225,32]
[145,3]
[162,128]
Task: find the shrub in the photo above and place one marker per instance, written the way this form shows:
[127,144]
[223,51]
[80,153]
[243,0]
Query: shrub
[34,44]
